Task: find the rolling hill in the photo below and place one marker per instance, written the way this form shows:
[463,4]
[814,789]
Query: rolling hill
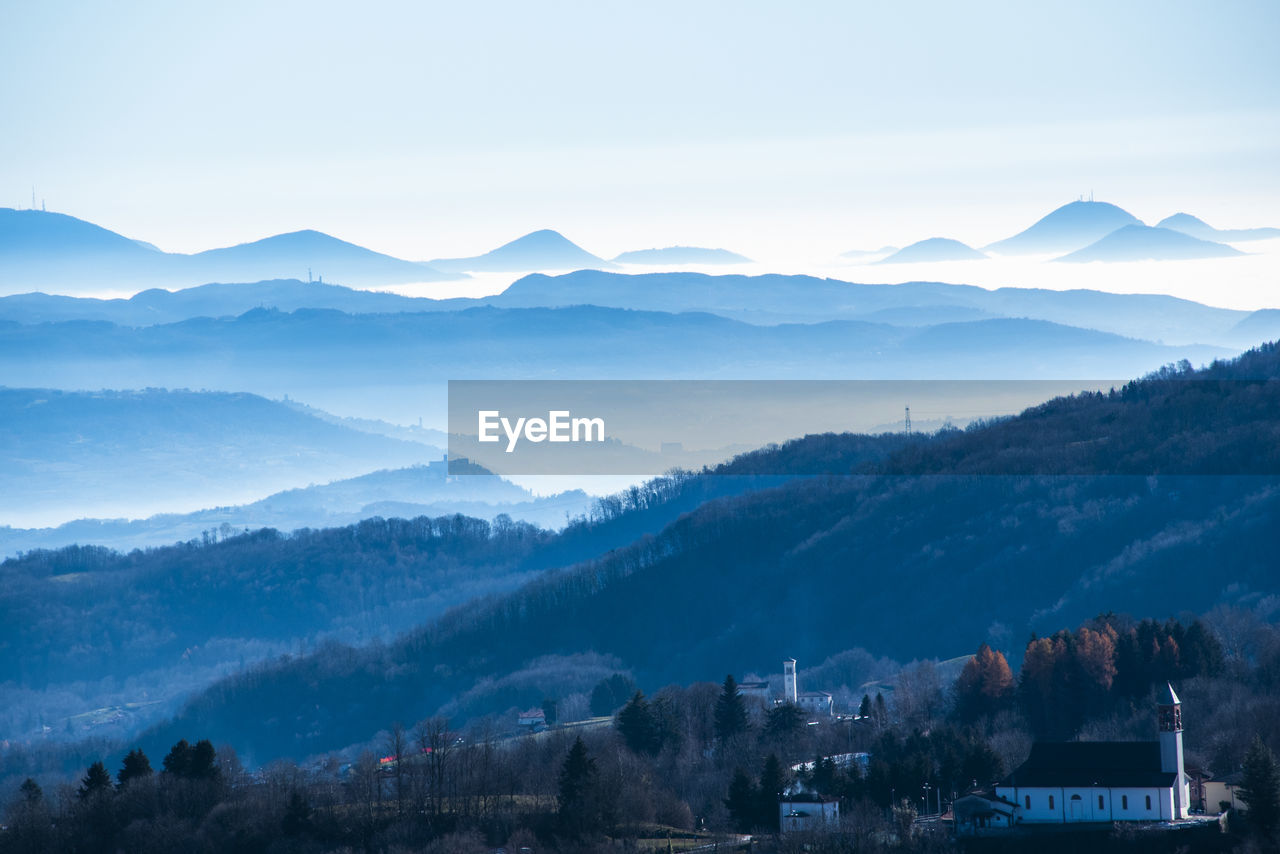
[409,492]
[394,366]
[1196,227]
[681,255]
[1072,226]
[67,455]
[1144,243]
[933,249]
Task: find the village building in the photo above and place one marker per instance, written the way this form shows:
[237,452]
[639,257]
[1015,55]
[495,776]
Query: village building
[818,703]
[534,719]
[1081,782]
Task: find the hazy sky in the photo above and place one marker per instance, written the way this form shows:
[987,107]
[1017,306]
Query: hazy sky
[428,129]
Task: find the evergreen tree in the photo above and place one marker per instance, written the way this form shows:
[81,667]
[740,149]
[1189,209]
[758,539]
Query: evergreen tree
[135,765]
[864,710]
[204,761]
[178,760]
[731,711]
[31,792]
[742,802]
[96,780]
[578,778]
[1260,788]
[636,725]
[783,727]
[772,781]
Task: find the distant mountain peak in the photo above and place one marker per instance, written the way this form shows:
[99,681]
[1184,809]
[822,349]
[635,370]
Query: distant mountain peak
[1146,243]
[1071,226]
[544,249]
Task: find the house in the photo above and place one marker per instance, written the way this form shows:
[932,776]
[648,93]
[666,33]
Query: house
[980,813]
[1222,793]
[757,690]
[808,812]
[815,702]
[1104,781]
[534,720]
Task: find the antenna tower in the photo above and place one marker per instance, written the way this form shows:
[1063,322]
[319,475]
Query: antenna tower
[908,421]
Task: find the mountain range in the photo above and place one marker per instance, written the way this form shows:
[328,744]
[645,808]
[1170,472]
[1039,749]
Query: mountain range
[394,366]
[762,300]
[52,251]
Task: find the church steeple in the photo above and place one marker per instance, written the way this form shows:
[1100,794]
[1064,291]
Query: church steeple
[1169,720]
[1169,710]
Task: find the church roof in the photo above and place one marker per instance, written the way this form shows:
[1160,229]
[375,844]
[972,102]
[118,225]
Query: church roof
[1167,697]
[1093,763]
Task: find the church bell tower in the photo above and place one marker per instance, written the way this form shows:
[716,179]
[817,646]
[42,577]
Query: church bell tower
[1169,717]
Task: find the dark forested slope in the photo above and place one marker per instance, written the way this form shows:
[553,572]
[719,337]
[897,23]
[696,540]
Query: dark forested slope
[901,564]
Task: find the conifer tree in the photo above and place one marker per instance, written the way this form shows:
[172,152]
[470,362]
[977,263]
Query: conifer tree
[136,765]
[731,711]
[1260,788]
[742,801]
[96,780]
[576,791]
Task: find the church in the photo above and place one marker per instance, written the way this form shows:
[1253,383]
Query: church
[1104,781]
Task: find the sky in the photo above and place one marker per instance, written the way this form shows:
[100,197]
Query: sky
[427,129]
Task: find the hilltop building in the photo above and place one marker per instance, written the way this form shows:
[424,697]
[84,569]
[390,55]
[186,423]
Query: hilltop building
[813,702]
[1080,782]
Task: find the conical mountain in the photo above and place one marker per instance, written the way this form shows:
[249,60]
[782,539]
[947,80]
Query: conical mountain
[290,255]
[1070,227]
[933,249]
[1144,243]
[538,250]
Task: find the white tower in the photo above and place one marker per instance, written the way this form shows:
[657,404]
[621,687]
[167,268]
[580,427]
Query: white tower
[789,681]
[1169,716]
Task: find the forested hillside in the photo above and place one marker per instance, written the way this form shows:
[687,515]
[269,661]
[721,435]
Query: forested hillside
[818,565]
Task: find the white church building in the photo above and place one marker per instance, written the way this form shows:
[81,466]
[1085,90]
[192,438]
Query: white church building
[1104,781]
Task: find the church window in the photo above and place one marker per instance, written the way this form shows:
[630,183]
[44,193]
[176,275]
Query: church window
[1101,805]
[1051,802]
[1124,802]
[1148,802]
